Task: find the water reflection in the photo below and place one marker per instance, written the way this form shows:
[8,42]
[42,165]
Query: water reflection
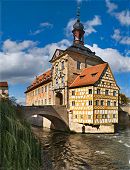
[85,151]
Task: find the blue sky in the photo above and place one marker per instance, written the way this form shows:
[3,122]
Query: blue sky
[31,31]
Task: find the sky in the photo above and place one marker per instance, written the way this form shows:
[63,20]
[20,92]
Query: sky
[31,30]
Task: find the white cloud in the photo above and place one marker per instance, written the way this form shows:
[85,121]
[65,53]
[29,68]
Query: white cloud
[21,61]
[123,17]
[36,32]
[13,46]
[116,36]
[111,6]
[80,1]
[89,26]
[117,61]
[69,27]
[120,38]
[46,25]
[125,40]
[41,28]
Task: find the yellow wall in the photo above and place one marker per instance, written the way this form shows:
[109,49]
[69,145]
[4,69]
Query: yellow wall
[82,111]
[106,114]
[96,114]
[40,96]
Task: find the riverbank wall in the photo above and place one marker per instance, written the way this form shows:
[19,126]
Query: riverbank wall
[80,128]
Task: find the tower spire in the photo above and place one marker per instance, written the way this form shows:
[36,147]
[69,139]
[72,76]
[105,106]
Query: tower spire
[78,14]
[78,30]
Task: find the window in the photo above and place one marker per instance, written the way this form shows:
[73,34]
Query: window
[56,81]
[108,103]
[114,93]
[50,86]
[90,91]
[73,93]
[81,116]
[75,116]
[56,68]
[42,102]
[114,115]
[90,102]
[102,102]
[57,86]
[106,75]
[97,102]
[73,103]
[62,65]
[114,103]
[105,116]
[45,88]
[82,76]
[78,65]
[89,116]
[106,92]
[62,80]
[94,74]
[45,101]
[98,91]
[102,82]
[49,100]
[3,91]
[42,89]
[38,90]
[97,116]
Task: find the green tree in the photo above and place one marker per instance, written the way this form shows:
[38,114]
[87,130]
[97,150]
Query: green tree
[20,150]
[123,99]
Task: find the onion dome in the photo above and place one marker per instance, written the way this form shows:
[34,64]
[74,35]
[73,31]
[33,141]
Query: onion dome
[78,25]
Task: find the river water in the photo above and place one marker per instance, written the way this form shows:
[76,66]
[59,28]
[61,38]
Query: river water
[84,151]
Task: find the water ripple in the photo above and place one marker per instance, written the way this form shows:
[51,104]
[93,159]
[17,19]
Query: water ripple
[84,152]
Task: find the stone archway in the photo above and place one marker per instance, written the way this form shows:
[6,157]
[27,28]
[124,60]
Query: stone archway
[59,99]
[56,114]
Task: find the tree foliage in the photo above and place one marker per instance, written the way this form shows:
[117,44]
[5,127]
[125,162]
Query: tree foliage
[20,150]
[123,99]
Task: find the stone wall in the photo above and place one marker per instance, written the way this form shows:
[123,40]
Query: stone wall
[79,128]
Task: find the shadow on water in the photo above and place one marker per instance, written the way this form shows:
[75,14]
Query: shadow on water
[84,151]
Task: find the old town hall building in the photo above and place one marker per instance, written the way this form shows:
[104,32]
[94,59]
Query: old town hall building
[80,80]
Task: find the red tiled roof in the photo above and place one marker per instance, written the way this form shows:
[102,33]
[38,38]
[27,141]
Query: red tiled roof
[46,76]
[4,84]
[42,77]
[89,75]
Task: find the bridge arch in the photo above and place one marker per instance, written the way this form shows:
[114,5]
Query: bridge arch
[56,114]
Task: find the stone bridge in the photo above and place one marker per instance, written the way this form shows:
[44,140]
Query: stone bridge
[58,115]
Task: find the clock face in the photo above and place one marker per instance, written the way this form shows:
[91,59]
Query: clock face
[57,53]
